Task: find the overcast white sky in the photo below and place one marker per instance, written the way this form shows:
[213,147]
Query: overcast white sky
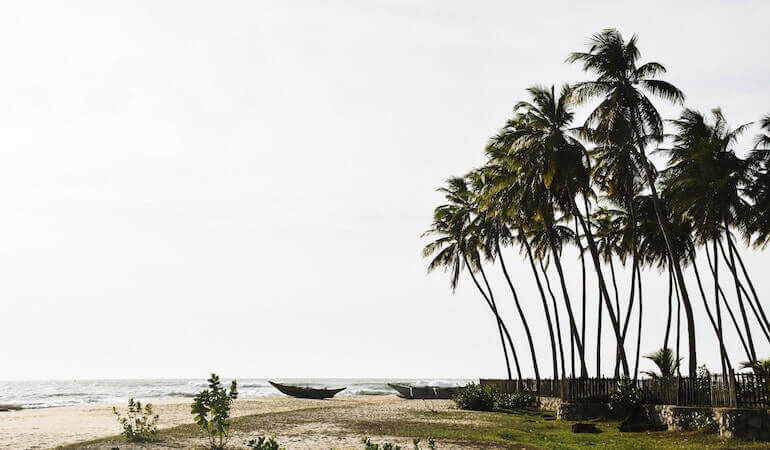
[240,187]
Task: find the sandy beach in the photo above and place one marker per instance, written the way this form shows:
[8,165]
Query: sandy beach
[308,424]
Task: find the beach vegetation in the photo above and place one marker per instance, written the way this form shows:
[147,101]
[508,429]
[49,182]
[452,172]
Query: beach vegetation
[369,445]
[264,443]
[476,397]
[140,422]
[625,399]
[211,408]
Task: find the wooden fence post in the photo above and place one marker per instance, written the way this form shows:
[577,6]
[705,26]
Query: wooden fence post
[731,389]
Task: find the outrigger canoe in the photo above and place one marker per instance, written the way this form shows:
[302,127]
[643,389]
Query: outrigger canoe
[305,392]
[424,392]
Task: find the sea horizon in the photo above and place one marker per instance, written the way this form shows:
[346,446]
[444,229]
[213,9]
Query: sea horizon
[32,394]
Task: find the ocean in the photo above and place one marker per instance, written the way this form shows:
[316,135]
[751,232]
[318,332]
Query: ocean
[45,394]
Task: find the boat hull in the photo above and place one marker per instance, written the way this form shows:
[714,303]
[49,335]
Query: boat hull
[424,392]
[305,392]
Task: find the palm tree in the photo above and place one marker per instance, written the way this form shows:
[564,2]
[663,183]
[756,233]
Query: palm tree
[554,173]
[625,109]
[705,179]
[454,248]
[665,361]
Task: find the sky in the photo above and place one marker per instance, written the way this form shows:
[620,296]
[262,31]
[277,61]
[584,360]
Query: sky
[240,187]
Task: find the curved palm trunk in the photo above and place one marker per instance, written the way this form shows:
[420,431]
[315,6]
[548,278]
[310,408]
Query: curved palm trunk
[510,341]
[521,313]
[498,319]
[602,285]
[639,331]
[565,293]
[663,223]
[668,319]
[725,360]
[545,302]
[556,316]
[730,265]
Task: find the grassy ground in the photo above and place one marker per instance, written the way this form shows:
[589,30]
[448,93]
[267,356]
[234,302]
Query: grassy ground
[342,427]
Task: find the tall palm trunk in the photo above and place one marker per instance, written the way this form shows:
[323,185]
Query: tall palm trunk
[721,295]
[583,279]
[521,313]
[565,293]
[639,330]
[498,319]
[556,316]
[678,327]
[751,285]
[602,285]
[523,238]
[739,286]
[567,302]
[492,299]
[663,224]
[631,296]
[668,319]
[731,265]
[599,338]
[725,360]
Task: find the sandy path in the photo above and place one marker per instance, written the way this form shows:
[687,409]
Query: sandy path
[49,427]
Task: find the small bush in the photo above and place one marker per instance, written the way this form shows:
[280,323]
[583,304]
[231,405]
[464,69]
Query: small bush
[518,400]
[211,408]
[369,445]
[699,421]
[263,443]
[626,399]
[140,424]
[476,397]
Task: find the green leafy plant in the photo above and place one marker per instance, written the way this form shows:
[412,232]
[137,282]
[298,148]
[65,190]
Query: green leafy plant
[140,424]
[211,408]
[263,443]
[703,422]
[626,399]
[521,399]
[476,397]
[369,445]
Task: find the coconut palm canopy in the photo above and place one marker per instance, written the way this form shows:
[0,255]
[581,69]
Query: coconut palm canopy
[550,184]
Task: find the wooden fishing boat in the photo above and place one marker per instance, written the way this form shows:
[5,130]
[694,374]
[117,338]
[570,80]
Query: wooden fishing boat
[424,392]
[305,392]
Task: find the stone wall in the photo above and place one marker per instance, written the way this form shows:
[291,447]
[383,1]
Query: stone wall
[751,424]
[550,403]
[743,423]
[573,411]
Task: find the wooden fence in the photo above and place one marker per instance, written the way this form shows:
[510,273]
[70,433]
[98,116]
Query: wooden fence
[732,390]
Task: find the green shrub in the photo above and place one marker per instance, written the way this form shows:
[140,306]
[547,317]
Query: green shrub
[211,408]
[263,443]
[369,445]
[476,397]
[521,399]
[702,422]
[626,399]
[140,424]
